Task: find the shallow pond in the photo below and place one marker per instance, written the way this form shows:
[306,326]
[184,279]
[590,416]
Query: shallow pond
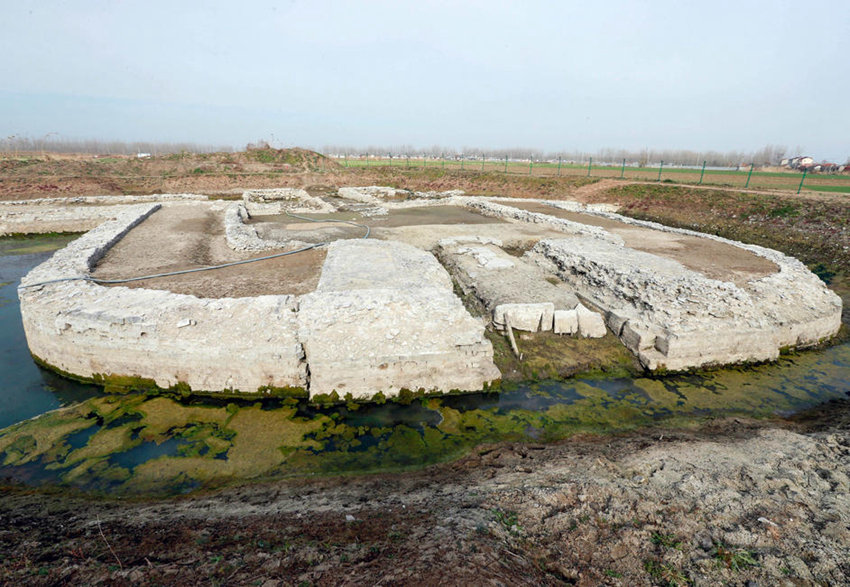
[140,444]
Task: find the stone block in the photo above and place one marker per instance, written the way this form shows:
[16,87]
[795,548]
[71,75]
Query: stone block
[590,324]
[373,264]
[527,317]
[566,322]
[364,341]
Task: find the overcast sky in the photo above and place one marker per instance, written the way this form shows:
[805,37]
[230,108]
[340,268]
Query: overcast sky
[561,75]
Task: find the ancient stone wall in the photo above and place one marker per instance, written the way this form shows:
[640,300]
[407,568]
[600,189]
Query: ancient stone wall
[77,214]
[87,329]
[676,318]
[384,318]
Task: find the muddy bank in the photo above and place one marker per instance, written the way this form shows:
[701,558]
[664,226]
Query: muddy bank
[733,501]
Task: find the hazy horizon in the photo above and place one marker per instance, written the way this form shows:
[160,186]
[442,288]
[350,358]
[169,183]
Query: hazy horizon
[551,77]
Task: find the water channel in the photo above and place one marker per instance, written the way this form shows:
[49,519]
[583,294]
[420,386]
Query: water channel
[55,431]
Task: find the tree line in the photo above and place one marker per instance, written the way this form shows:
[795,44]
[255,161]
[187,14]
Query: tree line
[768,155]
[54,144]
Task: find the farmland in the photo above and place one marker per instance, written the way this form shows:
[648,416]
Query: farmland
[760,180]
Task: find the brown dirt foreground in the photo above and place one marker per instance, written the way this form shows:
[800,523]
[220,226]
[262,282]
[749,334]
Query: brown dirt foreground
[736,502]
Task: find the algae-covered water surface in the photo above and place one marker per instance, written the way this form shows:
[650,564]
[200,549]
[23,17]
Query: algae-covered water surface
[149,444]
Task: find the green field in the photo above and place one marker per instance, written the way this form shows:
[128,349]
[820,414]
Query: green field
[842,189]
[759,180]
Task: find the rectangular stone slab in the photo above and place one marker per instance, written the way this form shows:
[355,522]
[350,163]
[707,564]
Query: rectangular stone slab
[364,341]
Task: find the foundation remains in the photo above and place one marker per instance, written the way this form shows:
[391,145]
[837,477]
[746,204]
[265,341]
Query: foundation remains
[384,314]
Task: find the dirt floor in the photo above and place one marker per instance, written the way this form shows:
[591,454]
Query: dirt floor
[188,236]
[735,502]
[711,258]
[284,227]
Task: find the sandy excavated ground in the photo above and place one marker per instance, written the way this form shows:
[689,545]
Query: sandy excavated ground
[713,259]
[736,502]
[188,236]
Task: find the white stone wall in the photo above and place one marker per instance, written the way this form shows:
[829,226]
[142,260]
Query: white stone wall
[384,319]
[212,344]
[491,208]
[77,214]
[244,237]
[372,194]
[279,200]
[676,318]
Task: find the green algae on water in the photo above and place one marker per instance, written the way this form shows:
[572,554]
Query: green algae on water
[138,443]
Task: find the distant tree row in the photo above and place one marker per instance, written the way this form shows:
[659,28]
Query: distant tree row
[769,155]
[54,144]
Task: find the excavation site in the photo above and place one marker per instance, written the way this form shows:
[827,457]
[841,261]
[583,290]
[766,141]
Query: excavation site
[375,290]
[346,377]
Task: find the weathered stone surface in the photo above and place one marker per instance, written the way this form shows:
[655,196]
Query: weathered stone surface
[529,317]
[369,340]
[244,237]
[384,318]
[565,322]
[372,264]
[590,324]
[506,285]
[280,200]
[570,205]
[87,330]
[670,316]
[372,194]
[490,208]
[377,301]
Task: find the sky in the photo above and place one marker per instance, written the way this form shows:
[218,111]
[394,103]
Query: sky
[555,76]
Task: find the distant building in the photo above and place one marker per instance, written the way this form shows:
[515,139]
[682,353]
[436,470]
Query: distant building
[801,163]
